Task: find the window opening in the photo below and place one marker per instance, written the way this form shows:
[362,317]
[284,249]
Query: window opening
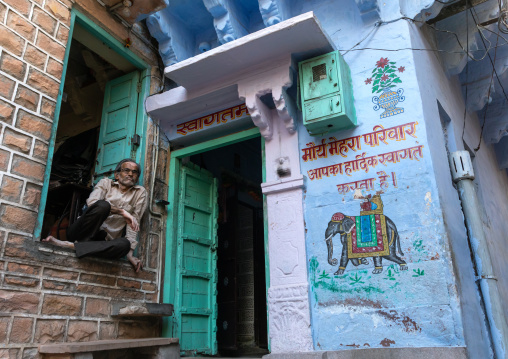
[89,68]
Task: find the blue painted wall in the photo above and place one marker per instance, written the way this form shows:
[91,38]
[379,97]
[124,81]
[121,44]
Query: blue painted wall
[416,304]
[395,308]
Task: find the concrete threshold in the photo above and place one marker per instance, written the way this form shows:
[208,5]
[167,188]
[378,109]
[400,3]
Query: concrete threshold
[379,353]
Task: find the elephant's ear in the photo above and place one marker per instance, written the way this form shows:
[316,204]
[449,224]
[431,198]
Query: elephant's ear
[331,230]
[348,224]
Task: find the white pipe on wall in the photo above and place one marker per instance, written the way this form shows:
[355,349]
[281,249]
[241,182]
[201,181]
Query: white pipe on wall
[462,173]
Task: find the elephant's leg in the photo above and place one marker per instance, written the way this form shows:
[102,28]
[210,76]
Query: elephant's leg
[329,245]
[378,265]
[343,261]
[393,257]
[358,261]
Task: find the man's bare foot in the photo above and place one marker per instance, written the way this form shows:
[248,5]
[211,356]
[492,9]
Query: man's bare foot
[57,242]
[137,265]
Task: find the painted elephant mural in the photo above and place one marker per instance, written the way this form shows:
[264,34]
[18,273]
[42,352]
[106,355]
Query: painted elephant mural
[371,234]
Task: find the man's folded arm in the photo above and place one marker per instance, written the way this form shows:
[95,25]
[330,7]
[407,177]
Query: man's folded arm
[137,213]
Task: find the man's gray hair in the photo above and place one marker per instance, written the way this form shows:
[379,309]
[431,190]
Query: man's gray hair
[125,160]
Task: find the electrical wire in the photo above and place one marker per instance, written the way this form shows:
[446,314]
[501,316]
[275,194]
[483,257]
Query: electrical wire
[376,26]
[502,24]
[495,33]
[380,23]
[465,50]
[503,19]
[490,58]
[488,100]
[468,53]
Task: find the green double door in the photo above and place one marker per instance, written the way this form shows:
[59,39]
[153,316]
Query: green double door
[196,269]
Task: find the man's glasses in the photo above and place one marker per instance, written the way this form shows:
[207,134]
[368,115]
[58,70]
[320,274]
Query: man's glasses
[128,170]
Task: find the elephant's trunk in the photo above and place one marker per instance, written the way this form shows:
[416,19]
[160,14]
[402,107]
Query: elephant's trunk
[329,245]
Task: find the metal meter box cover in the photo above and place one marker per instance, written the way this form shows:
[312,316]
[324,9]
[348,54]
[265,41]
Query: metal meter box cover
[327,94]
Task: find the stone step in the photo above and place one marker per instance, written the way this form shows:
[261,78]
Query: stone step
[167,348]
[126,309]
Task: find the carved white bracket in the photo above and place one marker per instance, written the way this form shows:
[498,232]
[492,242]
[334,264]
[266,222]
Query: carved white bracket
[274,81]
[285,108]
[260,115]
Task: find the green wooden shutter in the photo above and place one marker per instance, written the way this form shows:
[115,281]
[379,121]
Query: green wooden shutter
[196,269]
[118,124]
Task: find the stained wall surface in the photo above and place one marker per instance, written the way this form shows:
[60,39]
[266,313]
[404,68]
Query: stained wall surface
[490,183]
[413,300]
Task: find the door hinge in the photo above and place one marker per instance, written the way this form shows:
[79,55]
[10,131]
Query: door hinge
[136,140]
[138,87]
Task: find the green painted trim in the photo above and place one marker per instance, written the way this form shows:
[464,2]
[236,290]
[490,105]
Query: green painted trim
[51,147]
[216,143]
[117,46]
[265,232]
[105,37]
[168,290]
[177,302]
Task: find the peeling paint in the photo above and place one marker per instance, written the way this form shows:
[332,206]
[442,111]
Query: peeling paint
[404,321]
[387,342]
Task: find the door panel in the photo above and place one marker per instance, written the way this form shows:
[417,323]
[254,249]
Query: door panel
[118,123]
[195,308]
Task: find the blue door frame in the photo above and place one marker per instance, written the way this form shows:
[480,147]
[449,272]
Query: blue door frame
[117,46]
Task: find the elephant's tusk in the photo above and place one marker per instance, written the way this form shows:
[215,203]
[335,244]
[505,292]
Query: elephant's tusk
[330,236]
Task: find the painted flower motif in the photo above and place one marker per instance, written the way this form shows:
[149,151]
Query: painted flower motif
[382,62]
[384,75]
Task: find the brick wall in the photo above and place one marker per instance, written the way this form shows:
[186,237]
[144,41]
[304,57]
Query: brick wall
[46,293]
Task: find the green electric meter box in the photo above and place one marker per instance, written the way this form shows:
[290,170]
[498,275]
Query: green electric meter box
[326,92]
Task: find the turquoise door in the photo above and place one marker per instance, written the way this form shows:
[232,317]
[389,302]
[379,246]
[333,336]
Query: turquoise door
[118,124]
[196,273]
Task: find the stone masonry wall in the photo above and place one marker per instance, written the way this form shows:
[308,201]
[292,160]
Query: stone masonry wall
[46,293]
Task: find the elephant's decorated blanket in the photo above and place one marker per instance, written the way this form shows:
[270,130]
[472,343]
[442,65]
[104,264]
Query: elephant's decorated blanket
[368,237]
